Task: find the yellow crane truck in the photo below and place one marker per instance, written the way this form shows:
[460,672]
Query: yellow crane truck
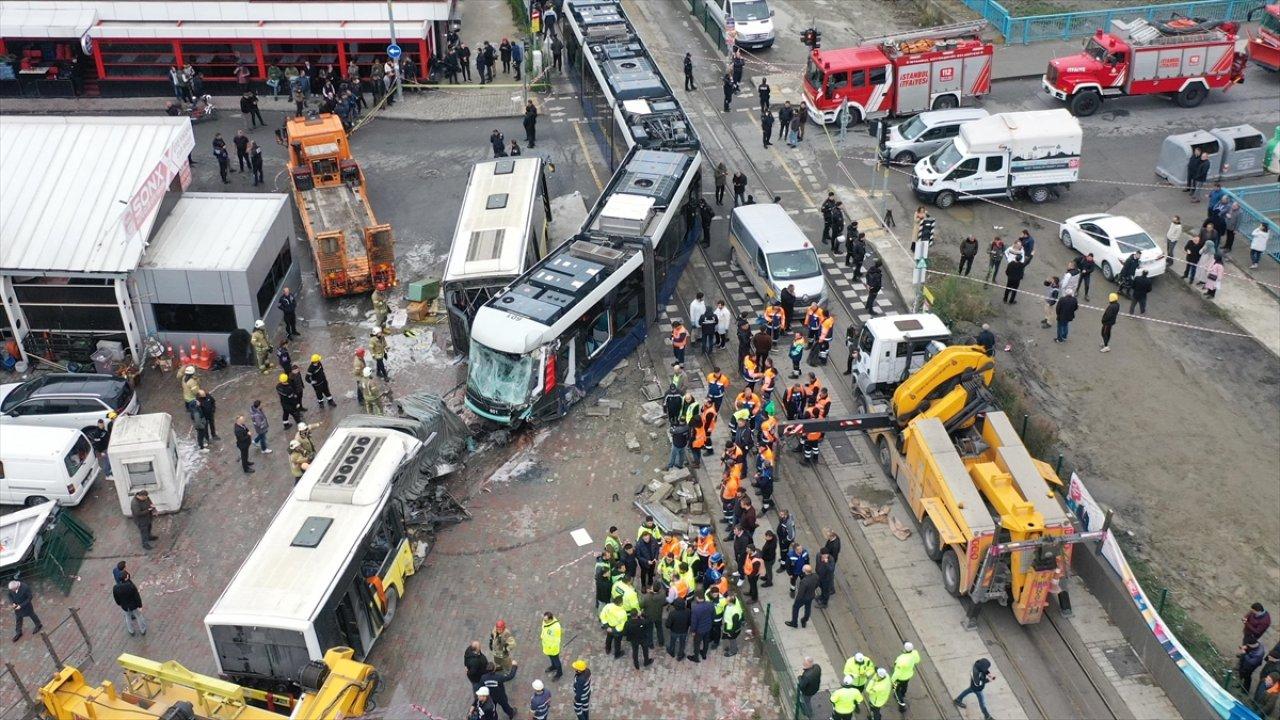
[335,689]
[353,252]
[988,512]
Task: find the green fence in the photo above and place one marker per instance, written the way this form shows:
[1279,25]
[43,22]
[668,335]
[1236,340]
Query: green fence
[784,676]
[701,12]
[59,552]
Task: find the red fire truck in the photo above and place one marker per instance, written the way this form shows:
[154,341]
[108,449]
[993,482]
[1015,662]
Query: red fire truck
[1264,48]
[899,74]
[1182,59]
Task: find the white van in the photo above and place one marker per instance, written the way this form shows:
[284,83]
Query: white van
[45,463]
[907,142]
[773,252]
[752,21]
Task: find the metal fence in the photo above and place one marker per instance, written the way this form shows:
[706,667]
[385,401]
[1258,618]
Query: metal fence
[1064,26]
[784,676]
[58,558]
[1261,204]
[701,11]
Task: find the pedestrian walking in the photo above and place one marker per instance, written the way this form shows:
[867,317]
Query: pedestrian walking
[557,55]
[1065,313]
[721,178]
[855,251]
[995,254]
[1258,241]
[968,251]
[766,126]
[22,601]
[806,590]
[1013,278]
[143,511]
[739,188]
[244,439]
[763,91]
[904,668]
[1109,316]
[1213,276]
[581,690]
[241,142]
[290,401]
[794,132]
[288,304]
[730,89]
[785,114]
[530,123]
[875,279]
[807,685]
[319,382]
[126,595]
[688,73]
[220,154]
[259,418]
[979,677]
[100,439]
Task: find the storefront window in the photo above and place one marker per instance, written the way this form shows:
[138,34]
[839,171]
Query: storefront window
[319,54]
[136,60]
[218,61]
[174,317]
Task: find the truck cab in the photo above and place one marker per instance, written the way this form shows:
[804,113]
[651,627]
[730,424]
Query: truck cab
[752,21]
[1101,66]
[1264,47]
[891,348]
[859,75]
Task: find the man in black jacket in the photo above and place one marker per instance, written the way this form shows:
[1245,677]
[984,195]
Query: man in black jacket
[875,279]
[1109,317]
[288,304]
[766,125]
[1066,312]
[705,214]
[1013,278]
[1141,287]
[806,592]
[807,685]
[978,680]
[530,124]
[495,680]
[476,664]
[826,574]
[788,302]
[856,251]
[688,73]
[125,593]
[730,87]
[636,631]
[244,438]
[968,251]
[769,553]
[22,603]
[677,624]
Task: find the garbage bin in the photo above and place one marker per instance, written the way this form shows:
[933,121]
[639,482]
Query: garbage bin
[1176,151]
[1242,149]
[102,361]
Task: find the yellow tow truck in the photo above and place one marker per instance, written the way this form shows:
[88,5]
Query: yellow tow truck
[988,512]
[335,689]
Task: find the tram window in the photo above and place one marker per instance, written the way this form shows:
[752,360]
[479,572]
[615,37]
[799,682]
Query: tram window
[630,304]
[600,333]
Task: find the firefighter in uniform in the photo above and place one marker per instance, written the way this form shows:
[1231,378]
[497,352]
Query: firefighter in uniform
[370,393]
[378,349]
[379,306]
[261,346]
[904,668]
[298,462]
[305,442]
[357,371]
[878,691]
[319,382]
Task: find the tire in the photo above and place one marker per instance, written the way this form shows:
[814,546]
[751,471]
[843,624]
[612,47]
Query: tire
[1191,95]
[946,102]
[932,542]
[393,601]
[860,402]
[1085,103]
[35,500]
[1038,194]
[883,456]
[855,117]
[906,157]
[951,572]
[733,260]
[1107,272]
[1066,239]
[945,199]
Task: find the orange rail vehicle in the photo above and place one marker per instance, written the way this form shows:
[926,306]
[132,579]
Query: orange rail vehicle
[353,253]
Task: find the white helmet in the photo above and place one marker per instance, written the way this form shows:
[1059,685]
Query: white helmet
[537,686]
[848,681]
[908,647]
[302,427]
[375,331]
[259,324]
[368,372]
[191,370]
[859,657]
[483,692]
[882,673]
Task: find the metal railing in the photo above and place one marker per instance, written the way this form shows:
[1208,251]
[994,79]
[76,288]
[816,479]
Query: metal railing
[701,10]
[1064,26]
[784,676]
[1260,204]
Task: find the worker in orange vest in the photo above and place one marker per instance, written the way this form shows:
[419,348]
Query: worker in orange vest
[769,432]
[679,340]
[729,488]
[751,371]
[793,402]
[813,318]
[823,404]
[770,380]
[812,438]
[746,400]
[824,339]
[733,455]
[706,547]
[717,386]
[702,429]
[811,389]
[752,569]
[774,318]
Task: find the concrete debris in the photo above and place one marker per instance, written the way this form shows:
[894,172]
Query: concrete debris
[672,505]
[652,391]
[609,403]
[597,412]
[661,493]
[653,436]
[609,379]
[869,514]
[633,443]
[622,364]
[672,476]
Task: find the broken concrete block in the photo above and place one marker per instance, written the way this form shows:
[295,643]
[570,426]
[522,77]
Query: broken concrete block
[655,485]
[633,443]
[696,520]
[653,436]
[672,476]
[661,493]
[609,403]
[671,505]
[597,412]
[697,507]
[623,364]
[652,391]
[608,380]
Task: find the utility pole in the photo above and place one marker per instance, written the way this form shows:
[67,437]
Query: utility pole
[391,19]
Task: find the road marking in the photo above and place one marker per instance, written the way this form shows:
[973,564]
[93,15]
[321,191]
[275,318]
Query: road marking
[582,143]
[794,180]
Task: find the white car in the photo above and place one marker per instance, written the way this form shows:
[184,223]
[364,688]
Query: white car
[1111,239]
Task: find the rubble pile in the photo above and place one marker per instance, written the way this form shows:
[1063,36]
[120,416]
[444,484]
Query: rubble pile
[674,500]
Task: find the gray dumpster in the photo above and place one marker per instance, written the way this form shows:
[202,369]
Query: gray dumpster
[1242,149]
[1176,151]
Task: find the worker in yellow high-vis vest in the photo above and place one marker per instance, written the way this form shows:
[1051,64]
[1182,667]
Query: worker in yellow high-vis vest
[845,701]
[878,691]
[904,668]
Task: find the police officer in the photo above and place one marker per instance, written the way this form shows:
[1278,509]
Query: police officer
[688,73]
[730,88]
[837,224]
[875,279]
[319,382]
[878,691]
[763,90]
[766,124]
[855,252]
[261,346]
[845,701]
[739,64]
[904,668]
[827,205]
[706,214]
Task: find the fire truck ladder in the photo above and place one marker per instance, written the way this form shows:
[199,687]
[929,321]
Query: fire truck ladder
[942,32]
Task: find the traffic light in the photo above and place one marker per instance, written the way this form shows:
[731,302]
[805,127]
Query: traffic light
[811,37]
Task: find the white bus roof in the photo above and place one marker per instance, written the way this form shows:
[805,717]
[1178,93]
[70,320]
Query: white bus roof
[288,574]
[492,234]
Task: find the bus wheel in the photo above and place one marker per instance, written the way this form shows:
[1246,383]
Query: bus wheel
[932,543]
[1085,103]
[393,600]
[945,199]
[951,572]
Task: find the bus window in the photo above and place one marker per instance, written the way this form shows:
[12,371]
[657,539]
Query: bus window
[629,306]
[600,333]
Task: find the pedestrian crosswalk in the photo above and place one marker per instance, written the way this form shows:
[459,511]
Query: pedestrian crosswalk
[744,296]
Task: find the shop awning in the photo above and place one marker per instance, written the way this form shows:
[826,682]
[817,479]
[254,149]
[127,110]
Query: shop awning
[300,31]
[46,23]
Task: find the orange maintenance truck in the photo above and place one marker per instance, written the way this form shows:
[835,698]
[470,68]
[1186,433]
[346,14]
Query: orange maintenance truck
[353,253]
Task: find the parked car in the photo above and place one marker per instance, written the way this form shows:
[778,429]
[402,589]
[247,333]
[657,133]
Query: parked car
[907,142]
[1111,239]
[71,400]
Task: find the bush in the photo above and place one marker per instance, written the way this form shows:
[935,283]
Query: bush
[958,301]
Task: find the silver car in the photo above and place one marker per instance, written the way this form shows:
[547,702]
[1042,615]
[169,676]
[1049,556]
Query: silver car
[907,142]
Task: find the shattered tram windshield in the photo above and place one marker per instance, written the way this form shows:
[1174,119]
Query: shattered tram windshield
[501,377]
